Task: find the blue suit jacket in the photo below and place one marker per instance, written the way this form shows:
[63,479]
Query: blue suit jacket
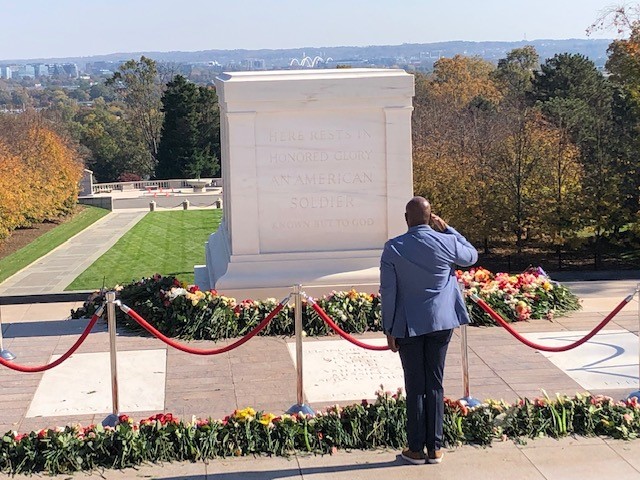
[418,286]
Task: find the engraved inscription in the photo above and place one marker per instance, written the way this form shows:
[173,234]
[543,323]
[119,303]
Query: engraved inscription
[322,201]
[322,177]
[336,370]
[322,135]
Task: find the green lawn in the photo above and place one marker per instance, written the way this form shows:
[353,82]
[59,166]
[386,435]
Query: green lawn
[50,240]
[169,243]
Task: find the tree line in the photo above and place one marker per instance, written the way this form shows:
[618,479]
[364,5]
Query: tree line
[518,153]
[142,122]
[524,151]
[39,173]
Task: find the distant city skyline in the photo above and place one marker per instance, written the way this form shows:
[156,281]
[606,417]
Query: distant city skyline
[72,28]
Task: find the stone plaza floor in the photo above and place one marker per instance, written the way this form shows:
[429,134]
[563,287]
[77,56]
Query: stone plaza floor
[261,374]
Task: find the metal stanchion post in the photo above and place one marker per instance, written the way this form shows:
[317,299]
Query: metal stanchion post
[5,354]
[636,394]
[112,419]
[470,401]
[299,407]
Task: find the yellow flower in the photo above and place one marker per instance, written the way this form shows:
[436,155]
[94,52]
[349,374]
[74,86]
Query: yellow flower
[246,414]
[267,418]
[547,286]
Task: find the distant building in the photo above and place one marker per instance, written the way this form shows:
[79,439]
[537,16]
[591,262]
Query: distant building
[24,71]
[63,70]
[102,68]
[71,69]
[40,70]
[6,72]
[254,64]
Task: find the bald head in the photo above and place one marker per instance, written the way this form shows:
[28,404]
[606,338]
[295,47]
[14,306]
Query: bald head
[418,212]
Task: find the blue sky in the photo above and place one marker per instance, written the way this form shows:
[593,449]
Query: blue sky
[58,28]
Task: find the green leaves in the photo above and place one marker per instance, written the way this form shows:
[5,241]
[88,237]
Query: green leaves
[164,438]
[190,142]
[192,315]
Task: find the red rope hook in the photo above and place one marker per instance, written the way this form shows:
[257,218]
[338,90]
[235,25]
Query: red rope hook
[498,318]
[327,319]
[198,351]
[68,353]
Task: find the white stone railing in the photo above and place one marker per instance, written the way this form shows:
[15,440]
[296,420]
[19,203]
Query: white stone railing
[149,184]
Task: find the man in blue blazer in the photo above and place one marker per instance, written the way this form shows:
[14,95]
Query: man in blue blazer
[421,305]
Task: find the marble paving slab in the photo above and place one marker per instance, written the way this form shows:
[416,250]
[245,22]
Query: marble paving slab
[608,360]
[337,370]
[82,384]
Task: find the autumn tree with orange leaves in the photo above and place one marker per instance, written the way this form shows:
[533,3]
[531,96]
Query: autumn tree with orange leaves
[39,173]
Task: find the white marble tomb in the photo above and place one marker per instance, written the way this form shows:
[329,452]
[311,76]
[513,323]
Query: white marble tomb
[317,171]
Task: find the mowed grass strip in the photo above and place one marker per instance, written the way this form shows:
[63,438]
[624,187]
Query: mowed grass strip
[169,243]
[50,240]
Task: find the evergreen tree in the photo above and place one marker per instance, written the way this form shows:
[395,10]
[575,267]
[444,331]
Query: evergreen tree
[190,141]
[576,96]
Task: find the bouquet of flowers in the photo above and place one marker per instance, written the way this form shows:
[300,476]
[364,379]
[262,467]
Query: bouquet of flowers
[527,295]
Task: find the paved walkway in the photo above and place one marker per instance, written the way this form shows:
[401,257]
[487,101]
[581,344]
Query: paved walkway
[56,270]
[215,386]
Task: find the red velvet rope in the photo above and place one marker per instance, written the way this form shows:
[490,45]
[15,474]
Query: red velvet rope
[482,304]
[197,351]
[327,319]
[74,347]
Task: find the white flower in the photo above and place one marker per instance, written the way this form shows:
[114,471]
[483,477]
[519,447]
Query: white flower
[177,292]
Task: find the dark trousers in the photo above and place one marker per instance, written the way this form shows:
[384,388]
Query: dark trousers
[423,364]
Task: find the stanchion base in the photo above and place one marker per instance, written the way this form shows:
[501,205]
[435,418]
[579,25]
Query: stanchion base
[7,355]
[471,402]
[635,395]
[110,421]
[301,408]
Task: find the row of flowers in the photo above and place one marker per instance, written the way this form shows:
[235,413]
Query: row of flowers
[165,438]
[183,311]
[529,295]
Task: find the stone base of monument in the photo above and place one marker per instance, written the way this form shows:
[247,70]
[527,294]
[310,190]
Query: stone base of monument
[273,275]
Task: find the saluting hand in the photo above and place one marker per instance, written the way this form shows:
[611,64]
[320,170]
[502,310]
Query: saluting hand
[438,224]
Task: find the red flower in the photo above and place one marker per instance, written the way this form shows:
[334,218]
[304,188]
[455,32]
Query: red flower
[123,419]
[163,418]
[193,288]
